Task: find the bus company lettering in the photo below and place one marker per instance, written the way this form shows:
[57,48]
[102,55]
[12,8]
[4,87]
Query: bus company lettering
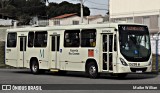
[22,87]
[73,52]
[42,53]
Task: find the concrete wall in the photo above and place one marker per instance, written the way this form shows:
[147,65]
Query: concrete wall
[4,22]
[65,21]
[3,33]
[95,21]
[2,44]
[69,20]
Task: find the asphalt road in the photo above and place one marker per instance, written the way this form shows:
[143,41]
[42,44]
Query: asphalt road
[23,76]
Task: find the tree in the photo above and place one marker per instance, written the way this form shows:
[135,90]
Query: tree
[65,7]
[24,19]
[23,10]
[3,4]
[27,9]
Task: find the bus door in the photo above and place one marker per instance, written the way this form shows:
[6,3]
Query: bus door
[107,52]
[22,51]
[54,56]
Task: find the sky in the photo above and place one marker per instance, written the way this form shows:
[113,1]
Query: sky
[96,6]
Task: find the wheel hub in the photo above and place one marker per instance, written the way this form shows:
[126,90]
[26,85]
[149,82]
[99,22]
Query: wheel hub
[92,70]
[34,67]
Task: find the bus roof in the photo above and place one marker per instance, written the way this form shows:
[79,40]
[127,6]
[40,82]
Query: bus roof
[81,26]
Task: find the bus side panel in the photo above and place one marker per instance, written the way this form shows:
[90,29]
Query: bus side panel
[11,57]
[72,58]
[43,58]
[11,53]
[38,52]
[75,58]
[41,54]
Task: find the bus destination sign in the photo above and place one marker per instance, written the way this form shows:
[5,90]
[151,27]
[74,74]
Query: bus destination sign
[132,28]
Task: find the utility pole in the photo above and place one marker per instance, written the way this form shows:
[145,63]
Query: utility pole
[157,52]
[109,11]
[81,11]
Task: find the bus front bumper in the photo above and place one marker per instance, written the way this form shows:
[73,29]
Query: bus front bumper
[136,69]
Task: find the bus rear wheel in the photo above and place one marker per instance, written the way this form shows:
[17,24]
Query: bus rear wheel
[92,70]
[34,67]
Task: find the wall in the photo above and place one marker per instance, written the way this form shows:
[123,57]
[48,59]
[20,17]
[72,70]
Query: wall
[65,21]
[69,20]
[124,8]
[2,44]
[5,22]
[95,21]
[3,33]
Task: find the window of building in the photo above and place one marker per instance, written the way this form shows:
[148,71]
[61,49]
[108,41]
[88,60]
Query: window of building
[71,38]
[11,39]
[30,39]
[146,21]
[75,22]
[88,38]
[129,20]
[56,22]
[117,20]
[40,39]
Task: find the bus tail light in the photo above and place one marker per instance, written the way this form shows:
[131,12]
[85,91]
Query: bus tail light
[123,62]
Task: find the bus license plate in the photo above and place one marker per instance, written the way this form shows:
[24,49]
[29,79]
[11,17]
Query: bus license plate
[138,71]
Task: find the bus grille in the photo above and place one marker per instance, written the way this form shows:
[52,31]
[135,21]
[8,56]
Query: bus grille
[138,69]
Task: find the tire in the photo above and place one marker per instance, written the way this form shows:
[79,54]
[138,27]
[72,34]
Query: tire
[122,75]
[34,67]
[92,70]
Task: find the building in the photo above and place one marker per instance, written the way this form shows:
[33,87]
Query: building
[73,19]
[138,11]
[94,19]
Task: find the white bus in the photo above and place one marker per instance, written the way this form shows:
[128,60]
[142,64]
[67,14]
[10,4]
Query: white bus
[117,48]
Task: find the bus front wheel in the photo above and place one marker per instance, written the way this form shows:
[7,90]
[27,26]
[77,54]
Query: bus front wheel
[34,67]
[92,70]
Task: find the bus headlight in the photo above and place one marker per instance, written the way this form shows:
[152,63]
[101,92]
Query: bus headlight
[123,62]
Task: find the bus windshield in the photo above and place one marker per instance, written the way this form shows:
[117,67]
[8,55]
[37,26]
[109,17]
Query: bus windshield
[134,43]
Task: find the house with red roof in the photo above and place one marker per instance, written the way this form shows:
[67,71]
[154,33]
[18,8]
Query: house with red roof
[74,19]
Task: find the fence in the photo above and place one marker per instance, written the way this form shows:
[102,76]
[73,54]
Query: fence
[2,44]
[2,53]
[155,45]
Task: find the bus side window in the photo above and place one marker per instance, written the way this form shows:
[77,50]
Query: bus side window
[71,38]
[11,39]
[115,43]
[40,39]
[30,39]
[88,38]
